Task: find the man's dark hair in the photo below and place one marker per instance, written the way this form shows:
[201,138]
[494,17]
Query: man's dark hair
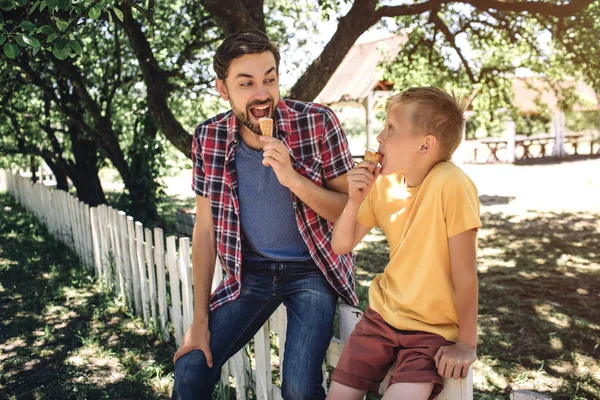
[239,44]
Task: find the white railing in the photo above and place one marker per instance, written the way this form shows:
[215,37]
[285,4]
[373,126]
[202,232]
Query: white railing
[134,262]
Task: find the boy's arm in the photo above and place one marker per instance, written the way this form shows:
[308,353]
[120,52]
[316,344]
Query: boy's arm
[454,361]
[346,231]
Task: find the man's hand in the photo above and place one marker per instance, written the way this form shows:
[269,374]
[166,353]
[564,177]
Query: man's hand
[454,361]
[197,337]
[360,181]
[276,156]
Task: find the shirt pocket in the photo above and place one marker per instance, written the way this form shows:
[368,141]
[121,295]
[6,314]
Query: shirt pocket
[311,168]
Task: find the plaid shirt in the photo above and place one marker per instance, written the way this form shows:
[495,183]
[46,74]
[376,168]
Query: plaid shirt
[319,151]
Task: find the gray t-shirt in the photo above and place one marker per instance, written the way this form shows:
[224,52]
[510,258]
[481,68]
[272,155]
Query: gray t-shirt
[267,213]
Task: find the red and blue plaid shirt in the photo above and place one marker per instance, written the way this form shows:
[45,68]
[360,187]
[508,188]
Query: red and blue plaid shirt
[319,151]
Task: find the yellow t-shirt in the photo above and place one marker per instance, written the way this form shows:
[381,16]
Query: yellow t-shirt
[415,290]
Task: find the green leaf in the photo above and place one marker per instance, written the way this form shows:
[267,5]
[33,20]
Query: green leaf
[22,2]
[52,4]
[20,41]
[6,5]
[60,44]
[46,30]
[28,26]
[61,25]
[35,5]
[94,13]
[74,44]
[30,40]
[11,51]
[118,13]
[1,19]
[51,38]
[2,39]
[35,50]
[60,49]
[64,4]
[42,5]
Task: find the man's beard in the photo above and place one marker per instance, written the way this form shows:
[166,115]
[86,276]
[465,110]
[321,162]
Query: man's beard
[244,117]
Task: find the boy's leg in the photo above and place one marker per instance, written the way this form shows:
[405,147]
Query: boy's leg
[337,391]
[367,356]
[231,327]
[415,364]
[310,304]
[413,391]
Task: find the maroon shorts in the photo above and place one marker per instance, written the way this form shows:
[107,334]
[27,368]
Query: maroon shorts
[374,346]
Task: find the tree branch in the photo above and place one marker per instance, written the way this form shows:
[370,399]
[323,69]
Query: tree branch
[435,18]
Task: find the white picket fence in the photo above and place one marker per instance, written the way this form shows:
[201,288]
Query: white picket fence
[134,262]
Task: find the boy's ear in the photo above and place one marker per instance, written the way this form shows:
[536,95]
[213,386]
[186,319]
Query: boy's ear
[429,143]
[222,89]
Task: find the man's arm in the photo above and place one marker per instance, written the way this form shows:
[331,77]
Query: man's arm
[454,361]
[327,201]
[203,267]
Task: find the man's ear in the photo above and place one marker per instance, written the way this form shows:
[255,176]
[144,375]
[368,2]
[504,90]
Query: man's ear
[429,143]
[222,89]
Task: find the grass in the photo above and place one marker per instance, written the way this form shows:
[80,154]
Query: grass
[63,337]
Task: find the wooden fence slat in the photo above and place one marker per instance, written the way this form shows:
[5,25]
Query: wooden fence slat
[262,354]
[117,251]
[137,298]
[139,244]
[125,259]
[187,294]
[159,259]
[176,317]
[151,275]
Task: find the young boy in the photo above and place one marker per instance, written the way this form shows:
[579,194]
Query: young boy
[423,307]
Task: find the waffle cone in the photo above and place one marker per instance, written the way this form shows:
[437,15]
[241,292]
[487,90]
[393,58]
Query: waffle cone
[373,157]
[266,126]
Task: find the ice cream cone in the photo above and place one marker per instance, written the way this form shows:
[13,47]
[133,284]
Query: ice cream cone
[266,126]
[372,156]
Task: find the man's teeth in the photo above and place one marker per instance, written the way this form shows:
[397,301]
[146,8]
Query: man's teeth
[262,108]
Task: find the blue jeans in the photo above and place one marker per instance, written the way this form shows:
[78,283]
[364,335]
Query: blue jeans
[310,302]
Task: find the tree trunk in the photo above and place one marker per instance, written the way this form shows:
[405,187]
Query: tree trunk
[59,174]
[157,86]
[84,173]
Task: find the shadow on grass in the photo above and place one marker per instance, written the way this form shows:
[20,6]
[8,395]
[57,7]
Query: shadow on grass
[61,336]
[539,322]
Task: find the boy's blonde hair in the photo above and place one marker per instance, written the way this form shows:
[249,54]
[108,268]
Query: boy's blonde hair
[437,113]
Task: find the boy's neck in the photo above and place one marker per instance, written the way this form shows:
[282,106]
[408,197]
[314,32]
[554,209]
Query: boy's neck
[415,176]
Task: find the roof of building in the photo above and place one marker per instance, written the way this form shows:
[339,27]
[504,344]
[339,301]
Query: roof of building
[358,73]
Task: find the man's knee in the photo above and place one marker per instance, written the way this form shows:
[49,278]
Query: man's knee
[194,379]
[297,388]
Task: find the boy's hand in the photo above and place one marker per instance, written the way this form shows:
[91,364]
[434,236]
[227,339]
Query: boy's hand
[454,361]
[360,181]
